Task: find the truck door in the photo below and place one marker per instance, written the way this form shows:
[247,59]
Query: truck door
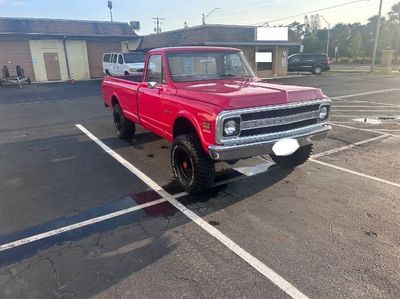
[150,97]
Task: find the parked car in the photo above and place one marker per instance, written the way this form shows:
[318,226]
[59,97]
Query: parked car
[123,64]
[309,62]
[209,104]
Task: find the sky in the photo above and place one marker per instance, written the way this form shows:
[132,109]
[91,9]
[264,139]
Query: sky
[176,12]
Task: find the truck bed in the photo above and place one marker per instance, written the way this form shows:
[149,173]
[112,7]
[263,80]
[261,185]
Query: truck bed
[123,88]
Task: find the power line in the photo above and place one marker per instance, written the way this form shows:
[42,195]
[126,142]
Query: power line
[310,12]
[157,24]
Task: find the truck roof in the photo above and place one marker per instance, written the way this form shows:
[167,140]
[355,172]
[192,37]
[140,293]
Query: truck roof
[194,49]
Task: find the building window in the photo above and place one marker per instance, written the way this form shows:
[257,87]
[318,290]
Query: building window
[264,58]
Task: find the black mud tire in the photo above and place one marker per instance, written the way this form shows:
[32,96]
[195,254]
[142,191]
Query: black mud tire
[126,73]
[108,73]
[317,70]
[124,128]
[193,168]
[297,158]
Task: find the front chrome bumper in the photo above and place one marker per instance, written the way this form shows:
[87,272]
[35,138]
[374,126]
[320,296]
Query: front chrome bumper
[263,147]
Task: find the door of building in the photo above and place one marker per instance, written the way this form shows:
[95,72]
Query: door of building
[52,66]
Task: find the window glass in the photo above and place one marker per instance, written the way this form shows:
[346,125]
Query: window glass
[106,58]
[207,66]
[114,58]
[120,59]
[266,63]
[294,58]
[134,57]
[155,70]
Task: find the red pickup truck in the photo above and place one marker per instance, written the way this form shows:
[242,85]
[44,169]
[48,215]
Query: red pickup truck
[210,105]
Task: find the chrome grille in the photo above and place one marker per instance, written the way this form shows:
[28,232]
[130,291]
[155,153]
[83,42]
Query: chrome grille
[278,120]
[272,122]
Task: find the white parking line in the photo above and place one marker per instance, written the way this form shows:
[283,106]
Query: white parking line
[274,277]
[366,102]
[74,226]
[364,110]
[361,129]
[388,130]
[346,147]
[365,93]
[349,116]
[356,173]
[369,106]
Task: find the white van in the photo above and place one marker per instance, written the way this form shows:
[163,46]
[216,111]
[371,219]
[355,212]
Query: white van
[123,64]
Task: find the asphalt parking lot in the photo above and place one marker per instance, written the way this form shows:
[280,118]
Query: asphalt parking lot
[79,216]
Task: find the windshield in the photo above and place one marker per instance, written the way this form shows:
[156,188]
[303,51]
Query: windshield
[194,66]
[134,57]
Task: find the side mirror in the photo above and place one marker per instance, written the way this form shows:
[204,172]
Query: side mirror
[152,85]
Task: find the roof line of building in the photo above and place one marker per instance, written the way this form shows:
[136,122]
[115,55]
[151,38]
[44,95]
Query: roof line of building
[255,43]
[61,20]
[65,35]
[203,26]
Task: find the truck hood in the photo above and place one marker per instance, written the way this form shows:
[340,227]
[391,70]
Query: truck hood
[235,94]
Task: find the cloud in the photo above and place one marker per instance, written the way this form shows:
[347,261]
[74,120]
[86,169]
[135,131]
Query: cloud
[18,3]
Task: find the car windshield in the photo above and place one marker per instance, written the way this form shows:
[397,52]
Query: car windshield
[134,57]
[194,66]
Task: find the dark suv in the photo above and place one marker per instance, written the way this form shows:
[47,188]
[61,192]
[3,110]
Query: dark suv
[309,62]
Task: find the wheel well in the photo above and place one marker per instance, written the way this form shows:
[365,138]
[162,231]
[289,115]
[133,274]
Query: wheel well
[114,101]
[183,126]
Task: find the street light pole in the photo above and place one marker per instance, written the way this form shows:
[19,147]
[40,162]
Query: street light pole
[205,16]
[110,6]
[378,27]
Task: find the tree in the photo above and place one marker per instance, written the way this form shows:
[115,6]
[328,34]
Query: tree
[394,20]
[353,40]
[355,45]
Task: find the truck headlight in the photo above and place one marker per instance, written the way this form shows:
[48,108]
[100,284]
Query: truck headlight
[231,127]
[323,112]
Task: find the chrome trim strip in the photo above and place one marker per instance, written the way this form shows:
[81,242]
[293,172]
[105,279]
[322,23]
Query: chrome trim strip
[277,135]
[219,137]
[232,152]
[278,121]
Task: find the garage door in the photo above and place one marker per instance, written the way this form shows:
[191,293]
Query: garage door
[95,55]
[14,53]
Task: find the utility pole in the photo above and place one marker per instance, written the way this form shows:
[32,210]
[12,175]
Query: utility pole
[378,27]
[110,5]
[157,24]
[329,34]
[206,15]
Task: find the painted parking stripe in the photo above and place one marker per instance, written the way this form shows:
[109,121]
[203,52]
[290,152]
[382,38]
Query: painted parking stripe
[360,129]
[356,173]
[350,116]
[78,225]
[274,277]
[365,93]
[364,110]
[346,147]
[369,106]
[367,102]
